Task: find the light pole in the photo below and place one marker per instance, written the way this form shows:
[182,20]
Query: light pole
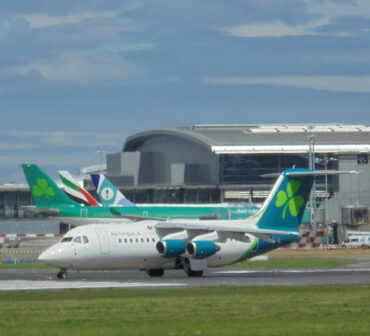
[326,162]
[311,165]
[101,152]
[326,213]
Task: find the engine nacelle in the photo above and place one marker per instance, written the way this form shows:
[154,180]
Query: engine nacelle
[171,248]
[200,249]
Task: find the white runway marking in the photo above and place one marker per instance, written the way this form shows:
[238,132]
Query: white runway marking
[42,285]
[319,270]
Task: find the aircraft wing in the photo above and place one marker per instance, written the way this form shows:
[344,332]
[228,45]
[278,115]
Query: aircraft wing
[228,228]
[134,218]
[40,211]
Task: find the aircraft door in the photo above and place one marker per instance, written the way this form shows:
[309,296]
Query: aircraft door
[83,213]
[103,241]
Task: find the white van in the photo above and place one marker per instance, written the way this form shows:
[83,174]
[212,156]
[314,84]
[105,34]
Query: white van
[357,241]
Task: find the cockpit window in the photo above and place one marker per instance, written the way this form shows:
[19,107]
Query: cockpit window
[85,240]
[77,240]
[66,239]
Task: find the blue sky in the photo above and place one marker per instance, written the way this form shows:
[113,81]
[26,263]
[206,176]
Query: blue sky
[80,76]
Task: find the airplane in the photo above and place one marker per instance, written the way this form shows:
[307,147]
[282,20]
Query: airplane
[71,187]
[108,194]
[51,201]
[192,245]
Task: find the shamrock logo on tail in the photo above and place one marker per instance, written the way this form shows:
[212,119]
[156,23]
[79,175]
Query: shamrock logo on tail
[290,199]
[42,188]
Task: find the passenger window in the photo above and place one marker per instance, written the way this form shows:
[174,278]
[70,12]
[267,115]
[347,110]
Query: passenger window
[142,240]
[77,240]
[66,239]
[85,240]
[148,240]
[119,240]
[130,240]
[125,240]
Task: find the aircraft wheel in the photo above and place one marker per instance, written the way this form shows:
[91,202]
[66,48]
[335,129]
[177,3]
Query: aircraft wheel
[62,275]
[189,271]
[156,272]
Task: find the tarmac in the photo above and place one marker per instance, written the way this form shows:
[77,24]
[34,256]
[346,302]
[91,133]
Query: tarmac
[12,280]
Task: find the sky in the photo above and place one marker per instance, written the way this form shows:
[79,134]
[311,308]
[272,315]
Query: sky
[78,77]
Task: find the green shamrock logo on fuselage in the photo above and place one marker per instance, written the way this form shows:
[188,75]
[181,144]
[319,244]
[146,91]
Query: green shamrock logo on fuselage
[290,199]
[42,188]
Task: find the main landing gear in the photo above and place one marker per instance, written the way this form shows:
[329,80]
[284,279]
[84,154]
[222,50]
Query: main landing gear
[189,271]
[62,274]
[155,272]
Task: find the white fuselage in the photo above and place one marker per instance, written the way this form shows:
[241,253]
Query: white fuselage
[126,246]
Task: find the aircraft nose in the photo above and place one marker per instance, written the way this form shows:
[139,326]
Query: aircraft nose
[50,256]
[44,256]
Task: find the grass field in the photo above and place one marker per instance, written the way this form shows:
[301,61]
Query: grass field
[307,310]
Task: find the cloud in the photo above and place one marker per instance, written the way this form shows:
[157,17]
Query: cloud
[273,29]
[15,146]
[28,139]
[76,159]
[281,29]
[360,84]
[84,139]
[83,69]
[42,20]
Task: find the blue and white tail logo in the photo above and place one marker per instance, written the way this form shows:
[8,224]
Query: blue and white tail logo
[109,195]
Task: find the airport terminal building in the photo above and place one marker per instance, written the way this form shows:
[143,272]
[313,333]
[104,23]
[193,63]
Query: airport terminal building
[225,163]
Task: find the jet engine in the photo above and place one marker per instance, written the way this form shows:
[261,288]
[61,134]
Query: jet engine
[201,249]
[171,248]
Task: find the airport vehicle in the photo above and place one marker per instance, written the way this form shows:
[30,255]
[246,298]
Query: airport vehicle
[108,194]
[51,201]
[357,241]
[71,187]
[193,245]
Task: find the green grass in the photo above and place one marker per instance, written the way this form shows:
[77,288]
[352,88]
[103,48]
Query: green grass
[298,310]
[304,262]
[34,266]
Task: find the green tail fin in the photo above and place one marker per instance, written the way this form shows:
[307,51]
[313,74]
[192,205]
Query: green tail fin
[284,208]
[45,192]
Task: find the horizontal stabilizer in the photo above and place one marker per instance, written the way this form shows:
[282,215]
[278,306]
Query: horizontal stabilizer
[313,173]
[39,211]
[134,218]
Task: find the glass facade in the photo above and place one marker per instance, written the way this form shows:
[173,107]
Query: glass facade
[178,195]
[246,169]
[11,203]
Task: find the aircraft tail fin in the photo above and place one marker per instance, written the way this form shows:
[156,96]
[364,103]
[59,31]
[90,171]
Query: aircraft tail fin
[283,209]
[108,194]
[45,192]
[71,187]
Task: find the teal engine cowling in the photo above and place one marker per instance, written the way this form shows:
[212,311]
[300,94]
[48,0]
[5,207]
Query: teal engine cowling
[171,248]
[201,249]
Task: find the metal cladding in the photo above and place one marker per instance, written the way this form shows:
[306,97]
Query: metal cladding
[171,248]
[201,249]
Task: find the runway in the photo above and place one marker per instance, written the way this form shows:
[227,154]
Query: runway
[11,280]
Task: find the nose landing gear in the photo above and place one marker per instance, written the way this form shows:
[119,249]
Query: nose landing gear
[62,274]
